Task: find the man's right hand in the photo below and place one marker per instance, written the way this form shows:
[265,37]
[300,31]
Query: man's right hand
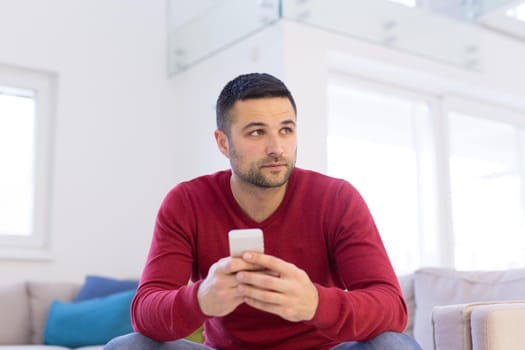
[218,294]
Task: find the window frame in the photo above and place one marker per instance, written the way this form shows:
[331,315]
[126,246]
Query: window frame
[36,245]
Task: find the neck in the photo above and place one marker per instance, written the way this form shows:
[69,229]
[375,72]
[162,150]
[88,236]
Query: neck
[257,202]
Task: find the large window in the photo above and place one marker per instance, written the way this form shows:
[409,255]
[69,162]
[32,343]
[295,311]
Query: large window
[486,176]
[443,180]
[26,125]
[381,142]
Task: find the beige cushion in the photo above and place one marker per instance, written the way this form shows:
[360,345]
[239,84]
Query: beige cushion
[41,294]
[14,315]
[498,326]
[437,286]
[451,326]
[407,287]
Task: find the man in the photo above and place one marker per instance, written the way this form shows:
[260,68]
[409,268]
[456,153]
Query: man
[324,279]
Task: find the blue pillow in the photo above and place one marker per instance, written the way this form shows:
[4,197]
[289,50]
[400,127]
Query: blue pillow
[97,286]
[90,322]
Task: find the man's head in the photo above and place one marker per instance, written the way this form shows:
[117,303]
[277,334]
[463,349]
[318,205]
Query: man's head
[248,86]
[256,130]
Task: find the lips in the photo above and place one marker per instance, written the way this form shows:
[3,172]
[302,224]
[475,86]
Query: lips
[274,166]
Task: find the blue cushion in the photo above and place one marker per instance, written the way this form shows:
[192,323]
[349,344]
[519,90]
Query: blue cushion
[89,322]
[97,286]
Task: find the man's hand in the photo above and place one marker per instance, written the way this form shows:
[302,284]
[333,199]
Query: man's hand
[284,289]
[218,294]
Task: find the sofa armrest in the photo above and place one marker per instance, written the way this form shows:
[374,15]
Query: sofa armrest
[498,326]
[455,328]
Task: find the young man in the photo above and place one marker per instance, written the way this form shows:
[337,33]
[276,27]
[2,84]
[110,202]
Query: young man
[324,279]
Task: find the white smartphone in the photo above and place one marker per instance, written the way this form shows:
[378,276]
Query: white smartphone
[242,240]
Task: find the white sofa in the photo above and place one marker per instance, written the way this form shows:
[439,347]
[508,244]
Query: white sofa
[460,310]
[451,309]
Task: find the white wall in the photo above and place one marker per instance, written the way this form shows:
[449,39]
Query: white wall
[115,131]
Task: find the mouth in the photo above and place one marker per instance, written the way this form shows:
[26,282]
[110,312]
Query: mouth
[274,166]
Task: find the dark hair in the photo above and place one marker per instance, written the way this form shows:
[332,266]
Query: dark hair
[244,87]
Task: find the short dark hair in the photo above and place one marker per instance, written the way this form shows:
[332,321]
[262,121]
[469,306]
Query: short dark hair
[244,87]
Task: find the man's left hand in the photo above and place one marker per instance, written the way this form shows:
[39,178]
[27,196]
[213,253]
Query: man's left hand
[284,289]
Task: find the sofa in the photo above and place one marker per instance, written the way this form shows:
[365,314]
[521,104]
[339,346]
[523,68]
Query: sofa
[59,315]
[448,310]
[466,310]
[494,325]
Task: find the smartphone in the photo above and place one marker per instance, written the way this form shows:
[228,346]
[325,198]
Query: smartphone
[242,240]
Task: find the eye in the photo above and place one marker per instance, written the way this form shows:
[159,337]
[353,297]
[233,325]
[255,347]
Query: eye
[286,130]
[256,132]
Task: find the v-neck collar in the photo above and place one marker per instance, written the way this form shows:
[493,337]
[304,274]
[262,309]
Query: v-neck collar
[245,217]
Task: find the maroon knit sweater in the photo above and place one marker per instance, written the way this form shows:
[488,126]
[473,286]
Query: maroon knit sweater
[323,226]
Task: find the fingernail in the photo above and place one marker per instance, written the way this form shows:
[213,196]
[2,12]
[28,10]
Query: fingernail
[248,256]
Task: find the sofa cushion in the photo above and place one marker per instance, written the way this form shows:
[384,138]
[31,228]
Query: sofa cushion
[15,321]
[89,322]
[439,286]
[41,294]
[98,286]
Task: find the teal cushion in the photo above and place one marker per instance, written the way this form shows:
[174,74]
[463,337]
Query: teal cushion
[90,322]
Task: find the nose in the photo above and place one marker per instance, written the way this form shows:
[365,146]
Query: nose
[274,147]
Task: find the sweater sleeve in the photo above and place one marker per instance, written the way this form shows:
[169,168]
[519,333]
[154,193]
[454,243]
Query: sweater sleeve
[164,298]
[371,302]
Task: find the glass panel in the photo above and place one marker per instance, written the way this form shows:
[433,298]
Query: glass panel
[16,162]
[378,143]
[214,27]
[394,25]
[487,197]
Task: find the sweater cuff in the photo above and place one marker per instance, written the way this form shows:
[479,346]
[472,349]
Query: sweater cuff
[324,317]
[189,293]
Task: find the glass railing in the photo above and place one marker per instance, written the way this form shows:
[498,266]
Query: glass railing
[214,28]
[415,30]
[394,25]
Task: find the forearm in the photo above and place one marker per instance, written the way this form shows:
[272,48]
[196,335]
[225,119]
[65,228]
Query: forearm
[164,314]
[359,314]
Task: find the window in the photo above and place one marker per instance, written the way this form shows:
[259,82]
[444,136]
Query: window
[381,143]
[443,177]
[25,161]
[16,161]
[486,176]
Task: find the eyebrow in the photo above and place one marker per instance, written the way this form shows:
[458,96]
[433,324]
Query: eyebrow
[261,124]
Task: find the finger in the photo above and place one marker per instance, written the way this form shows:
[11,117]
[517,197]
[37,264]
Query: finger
[261,295]
[262,280]
[275,309]
[269,262]
[231,265]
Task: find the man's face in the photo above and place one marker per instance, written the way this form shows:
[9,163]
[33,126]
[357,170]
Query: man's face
[262,141]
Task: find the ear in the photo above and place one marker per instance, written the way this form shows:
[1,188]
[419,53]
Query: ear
[222,142]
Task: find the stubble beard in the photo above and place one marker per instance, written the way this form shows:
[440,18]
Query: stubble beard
[254,174]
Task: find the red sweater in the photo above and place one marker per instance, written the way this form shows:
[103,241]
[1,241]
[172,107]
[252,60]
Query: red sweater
[322,226]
